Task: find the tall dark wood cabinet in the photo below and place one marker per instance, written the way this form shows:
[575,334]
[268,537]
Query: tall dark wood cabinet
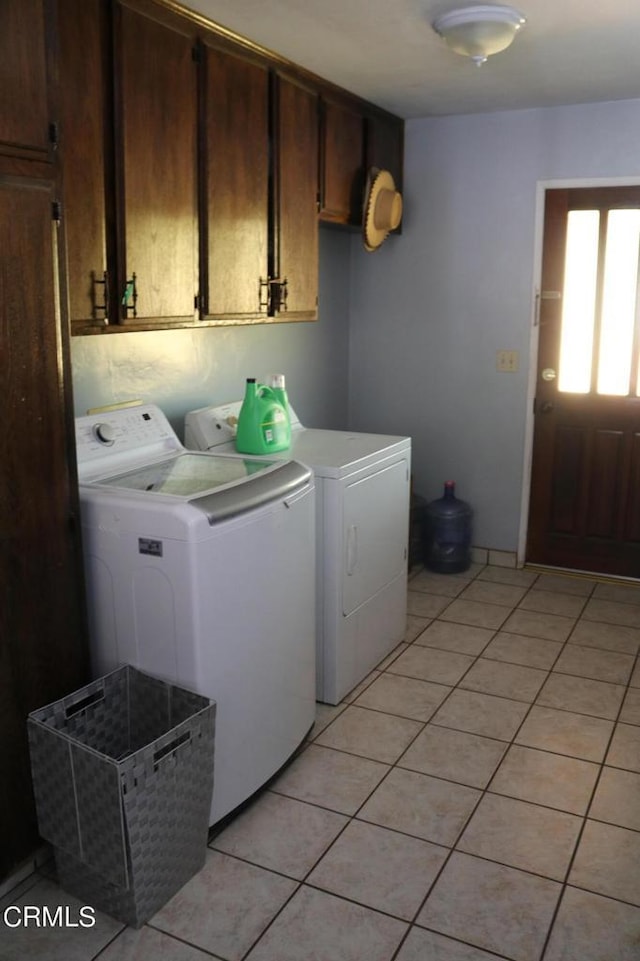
[43,645]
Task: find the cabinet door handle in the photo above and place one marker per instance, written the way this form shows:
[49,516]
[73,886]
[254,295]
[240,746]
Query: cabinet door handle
[278,291]
[104,306]
[273,294]
[130,296]
[263,295]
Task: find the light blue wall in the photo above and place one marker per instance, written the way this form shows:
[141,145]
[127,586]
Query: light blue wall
[430,308]
[184,369]
[407,336]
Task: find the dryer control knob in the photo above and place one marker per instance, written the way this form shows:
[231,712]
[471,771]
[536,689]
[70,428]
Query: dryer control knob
[104,433]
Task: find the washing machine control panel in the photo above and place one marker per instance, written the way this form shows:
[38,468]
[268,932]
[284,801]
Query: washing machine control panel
[104,433]
[210,427]
[118,439]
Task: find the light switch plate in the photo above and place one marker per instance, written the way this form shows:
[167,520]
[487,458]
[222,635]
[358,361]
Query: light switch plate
[507,361]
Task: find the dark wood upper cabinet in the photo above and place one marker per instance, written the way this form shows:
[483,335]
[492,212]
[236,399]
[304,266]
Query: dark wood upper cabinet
[128,132]
[190,164]
[25,95]
[86,151]
[341,163]
[295,236]
[353,138]
[156,167]
[384,145]
[235,186]
[259,230]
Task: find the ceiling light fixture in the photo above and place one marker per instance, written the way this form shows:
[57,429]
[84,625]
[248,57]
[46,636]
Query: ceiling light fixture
[480,31]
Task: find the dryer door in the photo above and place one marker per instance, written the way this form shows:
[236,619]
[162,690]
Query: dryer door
[375,533]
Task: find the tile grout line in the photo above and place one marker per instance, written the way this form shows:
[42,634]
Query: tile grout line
[511,743]
[601,766]
[483,793]
[585,818]
[353,817]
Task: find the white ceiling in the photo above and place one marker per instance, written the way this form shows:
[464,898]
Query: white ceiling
[569,51]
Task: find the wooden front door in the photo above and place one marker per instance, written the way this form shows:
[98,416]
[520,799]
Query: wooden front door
[584,509]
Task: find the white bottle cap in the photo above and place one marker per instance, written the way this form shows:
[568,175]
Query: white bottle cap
[277,380]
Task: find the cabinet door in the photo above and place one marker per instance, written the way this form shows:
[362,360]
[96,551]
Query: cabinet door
[341,164]
[86,149]
[295,200]
[236,186]
[24,95]
[156,113]
[43,652]
[385,145]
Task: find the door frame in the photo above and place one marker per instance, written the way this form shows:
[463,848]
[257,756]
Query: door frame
[541,187]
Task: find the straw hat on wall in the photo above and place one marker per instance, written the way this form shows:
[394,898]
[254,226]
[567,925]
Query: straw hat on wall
[382,210]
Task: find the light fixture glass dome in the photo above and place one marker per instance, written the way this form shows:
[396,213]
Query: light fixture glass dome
[480,31]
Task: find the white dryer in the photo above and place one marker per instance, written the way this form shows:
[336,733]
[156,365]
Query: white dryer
[362,507]
[201,570]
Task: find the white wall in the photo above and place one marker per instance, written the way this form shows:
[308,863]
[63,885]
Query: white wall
[184,369]
[431,307]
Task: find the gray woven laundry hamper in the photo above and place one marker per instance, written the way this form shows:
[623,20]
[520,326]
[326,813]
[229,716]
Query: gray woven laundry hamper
[123,776]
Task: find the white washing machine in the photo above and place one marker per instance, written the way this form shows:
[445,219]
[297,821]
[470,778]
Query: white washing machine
[201,570]
[362,529]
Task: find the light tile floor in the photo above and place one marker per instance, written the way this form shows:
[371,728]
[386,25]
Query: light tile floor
[477,797]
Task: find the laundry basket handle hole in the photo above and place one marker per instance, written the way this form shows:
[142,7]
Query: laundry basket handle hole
[83,704]
[170,748]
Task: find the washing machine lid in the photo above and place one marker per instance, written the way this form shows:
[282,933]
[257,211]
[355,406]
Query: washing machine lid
[133,453]
[219,487]
[187,475]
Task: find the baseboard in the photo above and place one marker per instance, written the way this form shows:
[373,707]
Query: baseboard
[486,555]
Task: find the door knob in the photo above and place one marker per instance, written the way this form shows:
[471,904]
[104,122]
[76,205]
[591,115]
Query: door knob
[548,374]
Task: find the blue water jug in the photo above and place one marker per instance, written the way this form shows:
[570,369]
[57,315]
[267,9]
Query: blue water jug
[447,533]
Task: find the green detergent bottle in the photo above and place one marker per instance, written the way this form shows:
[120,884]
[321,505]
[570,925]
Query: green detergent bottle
[263,422]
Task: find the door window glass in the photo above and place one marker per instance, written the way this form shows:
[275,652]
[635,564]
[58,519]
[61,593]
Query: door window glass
[579,301]
[599,334]
[619,302]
